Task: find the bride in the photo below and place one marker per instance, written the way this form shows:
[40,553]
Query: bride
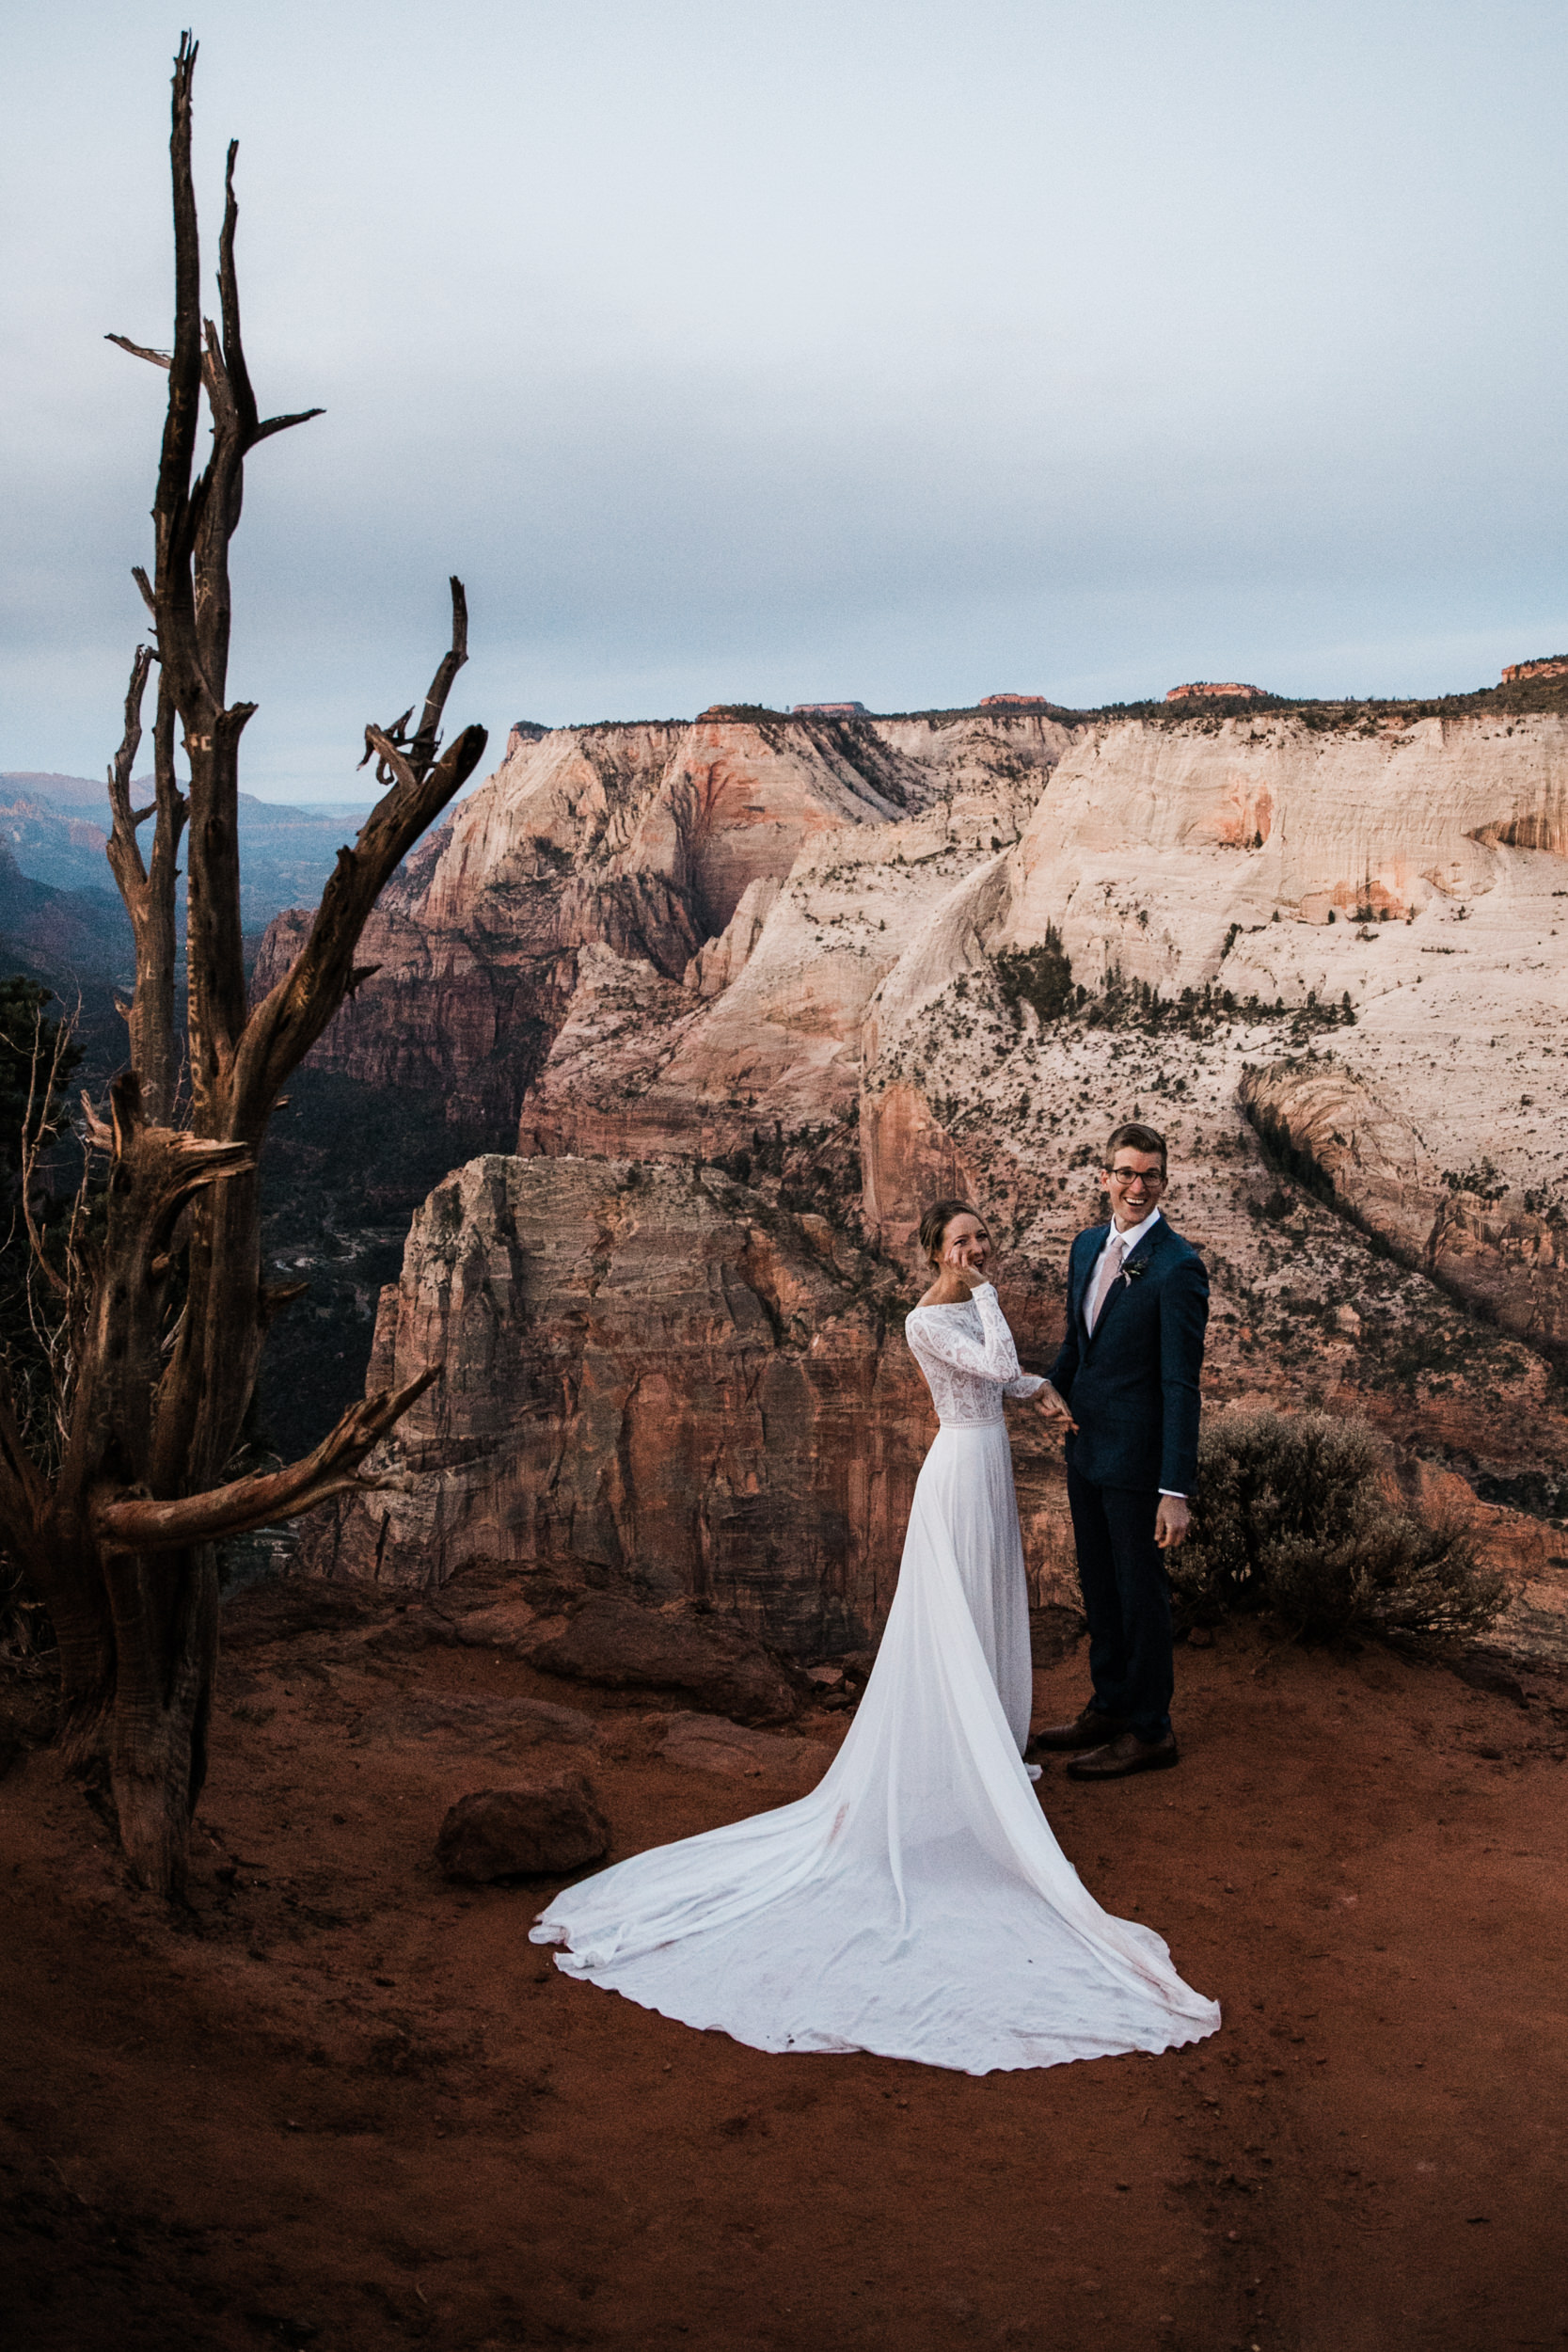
[916,1904]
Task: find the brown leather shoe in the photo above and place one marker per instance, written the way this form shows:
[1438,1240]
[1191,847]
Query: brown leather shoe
[1091,1730]
[1127,1755]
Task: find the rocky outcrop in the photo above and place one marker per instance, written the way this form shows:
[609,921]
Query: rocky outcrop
[720,964]
[775,1047]
[1487,1241]
[651,1377]
[1201,690]
[661,844]
[708,1660]
[1155,841]
[551,1825]
[995,938]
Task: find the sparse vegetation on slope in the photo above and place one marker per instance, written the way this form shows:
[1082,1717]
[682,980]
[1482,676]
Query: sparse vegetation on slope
[1292,1517]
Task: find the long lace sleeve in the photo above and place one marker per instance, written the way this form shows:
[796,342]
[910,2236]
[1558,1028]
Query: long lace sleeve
[1027,1384]
[992,1357]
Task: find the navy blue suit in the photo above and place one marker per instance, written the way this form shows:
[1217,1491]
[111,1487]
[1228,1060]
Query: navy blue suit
[1132,1387]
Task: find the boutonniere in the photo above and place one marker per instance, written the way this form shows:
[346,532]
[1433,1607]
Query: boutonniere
[1132,1271]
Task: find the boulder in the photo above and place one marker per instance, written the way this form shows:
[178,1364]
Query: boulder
[546,1826]
[712,1664]
[706,1743]
[501,1721]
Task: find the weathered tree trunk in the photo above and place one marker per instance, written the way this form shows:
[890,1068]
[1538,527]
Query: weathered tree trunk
[167,1314]
[166,1626]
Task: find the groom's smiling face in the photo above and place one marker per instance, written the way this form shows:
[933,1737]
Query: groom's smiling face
[1135,1180]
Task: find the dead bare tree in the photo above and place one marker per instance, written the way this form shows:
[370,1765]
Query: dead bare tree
[164,1308]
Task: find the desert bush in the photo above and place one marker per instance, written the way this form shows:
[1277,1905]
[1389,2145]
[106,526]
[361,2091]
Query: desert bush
[1042,977]
[1292,1517]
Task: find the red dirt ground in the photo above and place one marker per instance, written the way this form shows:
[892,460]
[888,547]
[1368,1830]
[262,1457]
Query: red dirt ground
[345,2105]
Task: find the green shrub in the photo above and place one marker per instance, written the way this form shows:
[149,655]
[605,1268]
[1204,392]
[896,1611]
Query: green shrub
[1042,977]
[1292,1517]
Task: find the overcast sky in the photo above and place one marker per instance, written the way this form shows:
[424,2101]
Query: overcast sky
[865,348]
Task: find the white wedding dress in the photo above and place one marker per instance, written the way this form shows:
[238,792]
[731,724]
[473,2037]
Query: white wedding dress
[916,1904]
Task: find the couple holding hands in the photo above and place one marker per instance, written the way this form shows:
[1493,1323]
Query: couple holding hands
[1125,1388]
[917,1903]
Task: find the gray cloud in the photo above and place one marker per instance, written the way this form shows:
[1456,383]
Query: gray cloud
[907,351]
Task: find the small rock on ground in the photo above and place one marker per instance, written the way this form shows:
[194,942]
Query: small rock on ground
[545,1826]
[710,1745]
[710,1662]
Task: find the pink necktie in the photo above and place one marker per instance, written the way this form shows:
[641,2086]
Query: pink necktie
[1110,1268]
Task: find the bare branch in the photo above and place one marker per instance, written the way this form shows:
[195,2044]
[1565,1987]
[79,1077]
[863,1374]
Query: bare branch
[36,1128]
[145,1523]
[287,1023]
[140,351]
[94,1132]
[147,888]
[229,296]
[124,851]
[22,1491]
[390,765]
[281,425]
[422,751]
[170,506]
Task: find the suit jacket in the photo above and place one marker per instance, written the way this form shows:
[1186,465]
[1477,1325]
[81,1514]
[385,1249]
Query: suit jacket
[1134,1385]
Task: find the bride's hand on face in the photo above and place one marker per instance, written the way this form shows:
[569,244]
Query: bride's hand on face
[963,1265]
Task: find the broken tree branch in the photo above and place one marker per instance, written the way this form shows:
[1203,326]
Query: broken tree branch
[142,1523]
[141,351]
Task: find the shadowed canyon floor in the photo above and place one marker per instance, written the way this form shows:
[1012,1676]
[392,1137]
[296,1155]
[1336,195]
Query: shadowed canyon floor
[344,2103]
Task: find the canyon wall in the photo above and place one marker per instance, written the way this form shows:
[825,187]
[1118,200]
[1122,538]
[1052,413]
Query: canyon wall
[859,961]
[1495,1243]
[653,1373]
[640,839]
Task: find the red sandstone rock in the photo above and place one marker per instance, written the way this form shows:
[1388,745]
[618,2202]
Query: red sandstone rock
[1554,665]
[702,1385]
[1203,689]
[550,1826]
[706,1743]
[707,1659]
[1507,1259]
[656,1374]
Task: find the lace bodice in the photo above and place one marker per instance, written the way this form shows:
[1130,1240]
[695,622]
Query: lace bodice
[966,1355]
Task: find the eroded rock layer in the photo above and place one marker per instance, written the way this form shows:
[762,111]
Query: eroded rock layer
[859,961]
[650,1373]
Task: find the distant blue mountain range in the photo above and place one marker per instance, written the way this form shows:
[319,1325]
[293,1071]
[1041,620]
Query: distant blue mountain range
[58,905]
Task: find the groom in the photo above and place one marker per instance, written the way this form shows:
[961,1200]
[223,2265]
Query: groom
[1128,1371]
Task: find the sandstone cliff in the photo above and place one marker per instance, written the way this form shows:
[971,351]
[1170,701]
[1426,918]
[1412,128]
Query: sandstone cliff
[658,1375]
[862,961]
[645,840]
[1496,1244]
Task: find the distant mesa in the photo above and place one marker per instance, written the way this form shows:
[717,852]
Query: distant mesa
[1550,665]
[828,710]
[1012,702]
[1204,689]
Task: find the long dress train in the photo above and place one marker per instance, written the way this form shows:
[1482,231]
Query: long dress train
[915,1903]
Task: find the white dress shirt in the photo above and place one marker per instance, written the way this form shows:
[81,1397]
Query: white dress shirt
[1128,1240]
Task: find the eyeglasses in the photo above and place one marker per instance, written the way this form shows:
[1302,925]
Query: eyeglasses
[1131,1176]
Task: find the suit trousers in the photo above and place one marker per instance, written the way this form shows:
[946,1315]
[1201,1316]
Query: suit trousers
[1126,1600]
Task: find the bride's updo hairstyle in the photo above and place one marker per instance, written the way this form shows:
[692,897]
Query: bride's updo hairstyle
[934,1224]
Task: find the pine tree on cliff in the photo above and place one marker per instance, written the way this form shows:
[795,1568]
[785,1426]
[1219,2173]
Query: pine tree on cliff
[159,1309]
